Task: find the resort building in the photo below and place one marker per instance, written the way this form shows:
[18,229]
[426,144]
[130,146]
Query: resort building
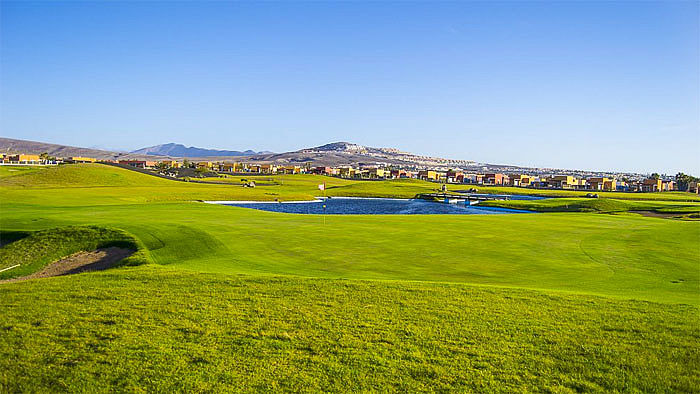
[454,176]
[21,158]
[79,159]
[346,172]
[376,173]
[321,171]
[652,185]
[289,170]
[428,175]
[138,163]
[170,163]
[563,182]
[602,183]
[495,179]
[267,169]
[520,180]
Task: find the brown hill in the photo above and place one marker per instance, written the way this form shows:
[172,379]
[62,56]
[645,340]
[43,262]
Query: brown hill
[9,145]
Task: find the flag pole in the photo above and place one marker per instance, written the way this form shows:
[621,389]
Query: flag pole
[324,203]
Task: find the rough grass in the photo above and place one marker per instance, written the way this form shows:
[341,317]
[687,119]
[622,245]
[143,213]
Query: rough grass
[154,330]
[35,250]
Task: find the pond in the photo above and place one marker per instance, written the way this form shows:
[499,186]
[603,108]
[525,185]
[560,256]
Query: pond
[369,206]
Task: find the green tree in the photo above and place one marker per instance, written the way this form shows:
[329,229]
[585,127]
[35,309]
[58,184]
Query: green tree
[683,180]
[200,171]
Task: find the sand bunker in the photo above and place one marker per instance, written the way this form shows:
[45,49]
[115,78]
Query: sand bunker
[76,263]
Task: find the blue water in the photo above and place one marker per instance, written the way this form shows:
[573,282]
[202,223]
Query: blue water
[510,196]
[372,206]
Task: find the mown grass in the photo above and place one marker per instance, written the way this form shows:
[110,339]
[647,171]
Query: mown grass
[37,249]
[625,256]
[408,188]
[83,177]
[155,330]
[595,205]
[241,299]
[8,171]
[622,256]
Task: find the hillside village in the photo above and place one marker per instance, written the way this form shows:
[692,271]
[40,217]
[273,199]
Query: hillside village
[176,169]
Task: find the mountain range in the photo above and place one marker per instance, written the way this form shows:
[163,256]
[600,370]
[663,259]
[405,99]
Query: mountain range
[179,150]
[333,154]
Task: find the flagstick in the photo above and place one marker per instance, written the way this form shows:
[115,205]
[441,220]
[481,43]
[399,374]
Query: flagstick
[324,204]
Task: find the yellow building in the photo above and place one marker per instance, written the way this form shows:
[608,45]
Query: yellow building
[289,170]
[375,173]
[563,182]
[170,163]
[80,159]
[346,172]
[205,164]
[24,159]
[429,175]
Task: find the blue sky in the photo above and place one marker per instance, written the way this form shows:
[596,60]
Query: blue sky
[589,85]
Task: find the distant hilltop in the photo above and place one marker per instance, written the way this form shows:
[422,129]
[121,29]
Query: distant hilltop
[335,154]
[179,150]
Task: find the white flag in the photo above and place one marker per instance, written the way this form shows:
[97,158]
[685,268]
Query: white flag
[322,186]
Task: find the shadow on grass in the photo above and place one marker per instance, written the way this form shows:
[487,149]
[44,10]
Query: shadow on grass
[8,237]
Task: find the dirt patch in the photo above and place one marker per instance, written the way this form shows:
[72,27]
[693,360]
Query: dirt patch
[652,214]
[97,260]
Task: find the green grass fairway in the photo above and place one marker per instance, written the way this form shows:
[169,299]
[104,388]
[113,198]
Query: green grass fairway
[239,298]
[406,188]
[596,205]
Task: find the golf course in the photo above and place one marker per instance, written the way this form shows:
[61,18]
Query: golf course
[580,294]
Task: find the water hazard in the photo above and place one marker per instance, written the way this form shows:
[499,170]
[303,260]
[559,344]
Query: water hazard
[371,206]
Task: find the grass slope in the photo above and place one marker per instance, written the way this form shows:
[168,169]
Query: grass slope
[155,330]
[37,249]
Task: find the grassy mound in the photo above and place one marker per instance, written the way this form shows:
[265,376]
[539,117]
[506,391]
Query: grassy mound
[81,175]
[156,330]
[40,248]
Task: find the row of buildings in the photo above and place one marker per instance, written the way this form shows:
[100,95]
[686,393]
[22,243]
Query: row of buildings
[567,182]
[450,176]
[28,159]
